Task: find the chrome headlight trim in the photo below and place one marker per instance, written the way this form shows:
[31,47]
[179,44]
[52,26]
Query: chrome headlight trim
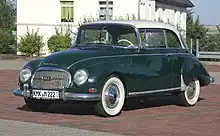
[25,75]
[80,77]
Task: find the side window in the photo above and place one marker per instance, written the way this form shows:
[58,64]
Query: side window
[153,38]
[172,39]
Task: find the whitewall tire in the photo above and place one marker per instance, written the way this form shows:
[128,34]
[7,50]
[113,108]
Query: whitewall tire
[191,95]
[112,98]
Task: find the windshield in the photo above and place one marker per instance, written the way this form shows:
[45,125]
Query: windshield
[107,34]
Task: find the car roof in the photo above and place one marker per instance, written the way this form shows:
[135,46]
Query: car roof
[138,24]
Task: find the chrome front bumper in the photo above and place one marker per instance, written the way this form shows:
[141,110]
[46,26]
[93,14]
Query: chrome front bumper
[63,96]
[212,79]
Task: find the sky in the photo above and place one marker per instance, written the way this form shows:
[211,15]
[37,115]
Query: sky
[208,11]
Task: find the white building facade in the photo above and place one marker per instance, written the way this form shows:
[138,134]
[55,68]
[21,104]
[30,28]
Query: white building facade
[45,15]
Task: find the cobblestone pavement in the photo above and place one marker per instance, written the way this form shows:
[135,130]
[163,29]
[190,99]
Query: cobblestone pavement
[152,117]
[18,128]
[11,64]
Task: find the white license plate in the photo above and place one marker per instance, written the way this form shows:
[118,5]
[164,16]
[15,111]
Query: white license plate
[45,94]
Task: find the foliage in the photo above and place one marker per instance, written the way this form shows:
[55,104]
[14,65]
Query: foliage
[7,44]
[59,41]
[87,20]
[7,24]
[7,15]
[31,43]
[93,19]
[210,43]
[194,29]
[207,42]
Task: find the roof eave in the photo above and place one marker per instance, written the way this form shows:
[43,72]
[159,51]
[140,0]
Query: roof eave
[190,5]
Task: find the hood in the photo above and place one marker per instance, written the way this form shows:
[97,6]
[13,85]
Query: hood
[65,58]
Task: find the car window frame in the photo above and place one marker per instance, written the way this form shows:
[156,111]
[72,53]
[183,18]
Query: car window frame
[176,36]
[78,36]
[151,30]
[164,32]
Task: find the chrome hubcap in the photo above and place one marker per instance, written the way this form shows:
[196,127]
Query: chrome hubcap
[191,90]
[112,96]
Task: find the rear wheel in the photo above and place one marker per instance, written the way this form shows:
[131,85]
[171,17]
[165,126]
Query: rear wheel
[37,105]
[191,95]
[112,98]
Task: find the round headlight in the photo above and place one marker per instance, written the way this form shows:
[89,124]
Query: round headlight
[81,77]
[25,75]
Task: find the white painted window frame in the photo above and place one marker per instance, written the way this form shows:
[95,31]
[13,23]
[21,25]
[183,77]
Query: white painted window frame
[72,6]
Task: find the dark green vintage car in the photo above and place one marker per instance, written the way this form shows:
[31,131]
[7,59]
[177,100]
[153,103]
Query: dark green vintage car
[112,61]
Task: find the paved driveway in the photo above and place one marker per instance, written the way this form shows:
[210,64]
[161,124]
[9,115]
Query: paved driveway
[152,117]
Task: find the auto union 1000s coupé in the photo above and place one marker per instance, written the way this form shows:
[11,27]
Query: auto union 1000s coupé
[112,61]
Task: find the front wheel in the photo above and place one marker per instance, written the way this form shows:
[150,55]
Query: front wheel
[36,105]
[191,95]
[112,98]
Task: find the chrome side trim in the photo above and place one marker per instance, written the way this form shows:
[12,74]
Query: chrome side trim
[67,96]
[154,91]
[82,97]
[130,55]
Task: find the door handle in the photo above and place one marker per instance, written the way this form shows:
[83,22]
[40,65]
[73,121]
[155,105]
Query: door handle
[168,55]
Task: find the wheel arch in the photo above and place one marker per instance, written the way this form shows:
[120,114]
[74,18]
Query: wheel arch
[192,69]
[123,80]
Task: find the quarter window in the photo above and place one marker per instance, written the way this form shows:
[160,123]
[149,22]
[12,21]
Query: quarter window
[159,38]
[67,10]
[172,39]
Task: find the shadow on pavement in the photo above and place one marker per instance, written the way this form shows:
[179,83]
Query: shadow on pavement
[85,109]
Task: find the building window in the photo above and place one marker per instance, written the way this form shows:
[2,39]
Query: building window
[102,10]
[67,10]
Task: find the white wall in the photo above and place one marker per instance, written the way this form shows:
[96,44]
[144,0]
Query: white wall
[45,15]
[123,7]
[147,9]
[85,8]
[37,14]
[171,14]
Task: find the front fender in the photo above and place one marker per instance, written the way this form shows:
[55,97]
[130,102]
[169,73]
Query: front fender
[99,70]
[33,64]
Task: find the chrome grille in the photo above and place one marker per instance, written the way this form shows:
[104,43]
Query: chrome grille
[50,79]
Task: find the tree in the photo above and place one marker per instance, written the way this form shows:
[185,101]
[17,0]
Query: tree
[31,43]
[7,15]
[7,24]
[211,42]
[61,40]
[194,29]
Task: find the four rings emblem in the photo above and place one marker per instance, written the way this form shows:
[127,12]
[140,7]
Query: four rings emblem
[46,78]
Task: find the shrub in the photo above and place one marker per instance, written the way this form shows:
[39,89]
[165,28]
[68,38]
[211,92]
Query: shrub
[7,44]
[59,41]
[31,43]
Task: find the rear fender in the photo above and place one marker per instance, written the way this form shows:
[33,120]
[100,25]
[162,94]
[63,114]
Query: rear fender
[193,69]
